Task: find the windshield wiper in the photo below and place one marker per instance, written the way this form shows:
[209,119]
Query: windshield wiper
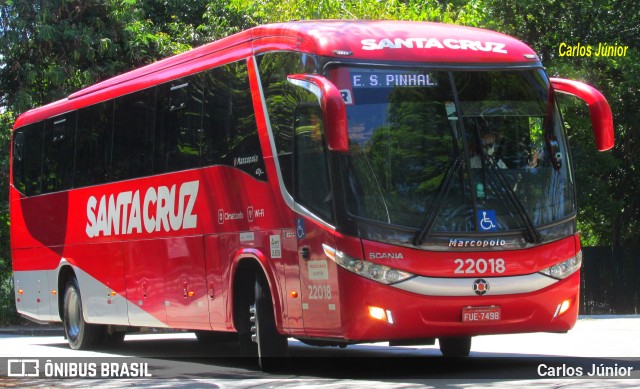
[430,218]
[532,235]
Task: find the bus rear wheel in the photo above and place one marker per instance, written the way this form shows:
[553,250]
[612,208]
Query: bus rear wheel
[455,347]
[272,346]
[80,334]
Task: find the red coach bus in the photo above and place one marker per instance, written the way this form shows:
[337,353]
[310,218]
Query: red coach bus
[336,182]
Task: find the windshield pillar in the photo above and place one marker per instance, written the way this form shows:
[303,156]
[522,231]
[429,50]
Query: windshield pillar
[461,131]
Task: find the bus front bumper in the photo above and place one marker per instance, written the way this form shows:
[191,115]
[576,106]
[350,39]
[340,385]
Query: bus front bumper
[375,312]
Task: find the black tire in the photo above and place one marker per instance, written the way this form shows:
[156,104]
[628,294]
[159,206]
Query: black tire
[455,347]
[273,348]
[80,334]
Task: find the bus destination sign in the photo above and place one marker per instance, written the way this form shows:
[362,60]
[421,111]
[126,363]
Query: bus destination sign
[391,79]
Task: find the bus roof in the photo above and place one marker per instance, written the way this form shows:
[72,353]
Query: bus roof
[357,40]
[403,41]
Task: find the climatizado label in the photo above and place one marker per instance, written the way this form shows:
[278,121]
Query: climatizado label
[159,209]
[433,43]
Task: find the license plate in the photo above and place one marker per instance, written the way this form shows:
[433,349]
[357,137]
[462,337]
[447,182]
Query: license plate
[477,314]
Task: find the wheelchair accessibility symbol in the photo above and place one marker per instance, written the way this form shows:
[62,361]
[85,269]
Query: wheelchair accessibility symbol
[300,232]
[487,220]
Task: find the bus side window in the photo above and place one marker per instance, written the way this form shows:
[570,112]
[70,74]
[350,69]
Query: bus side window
[134,117]
[312,186]
[179,133]
[282,99]
[19,145]
[59,143]
[229,123]
[93,142]
[27,159]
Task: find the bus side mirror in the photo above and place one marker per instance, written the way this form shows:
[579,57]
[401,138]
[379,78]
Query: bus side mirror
[334,112]
[601,117]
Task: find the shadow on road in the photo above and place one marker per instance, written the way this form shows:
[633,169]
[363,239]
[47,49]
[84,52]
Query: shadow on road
[188,358]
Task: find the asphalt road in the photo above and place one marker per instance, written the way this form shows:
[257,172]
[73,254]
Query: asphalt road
[598,352]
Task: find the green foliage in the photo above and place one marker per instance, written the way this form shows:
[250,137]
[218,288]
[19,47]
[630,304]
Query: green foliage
[51,48]
[7,303]
[6,120]
[273,11]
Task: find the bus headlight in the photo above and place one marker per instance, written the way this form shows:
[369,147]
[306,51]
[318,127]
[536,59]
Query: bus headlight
[373,271]
[565,268]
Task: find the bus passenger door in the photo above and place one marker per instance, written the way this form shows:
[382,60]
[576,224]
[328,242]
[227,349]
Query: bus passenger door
[318,278]
[314,207]
[289,271]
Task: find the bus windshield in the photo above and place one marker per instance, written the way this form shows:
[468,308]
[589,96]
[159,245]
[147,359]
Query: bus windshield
[454,151]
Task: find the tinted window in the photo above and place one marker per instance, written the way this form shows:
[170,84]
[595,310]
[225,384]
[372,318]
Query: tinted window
[134,118]
[231,136]
[59,144]
[27,158]
[282,98]
[179,133]
[93,140]
[200,120]
[298,131]
[311,172]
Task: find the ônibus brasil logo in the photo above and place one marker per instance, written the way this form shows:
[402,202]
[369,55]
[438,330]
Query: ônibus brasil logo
[161,209]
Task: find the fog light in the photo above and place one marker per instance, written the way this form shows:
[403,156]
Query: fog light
[563,307]
[377,313]
[381,314]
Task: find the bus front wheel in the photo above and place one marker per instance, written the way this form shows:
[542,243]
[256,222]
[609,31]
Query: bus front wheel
[80,334]
[272,346]
[455,347]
